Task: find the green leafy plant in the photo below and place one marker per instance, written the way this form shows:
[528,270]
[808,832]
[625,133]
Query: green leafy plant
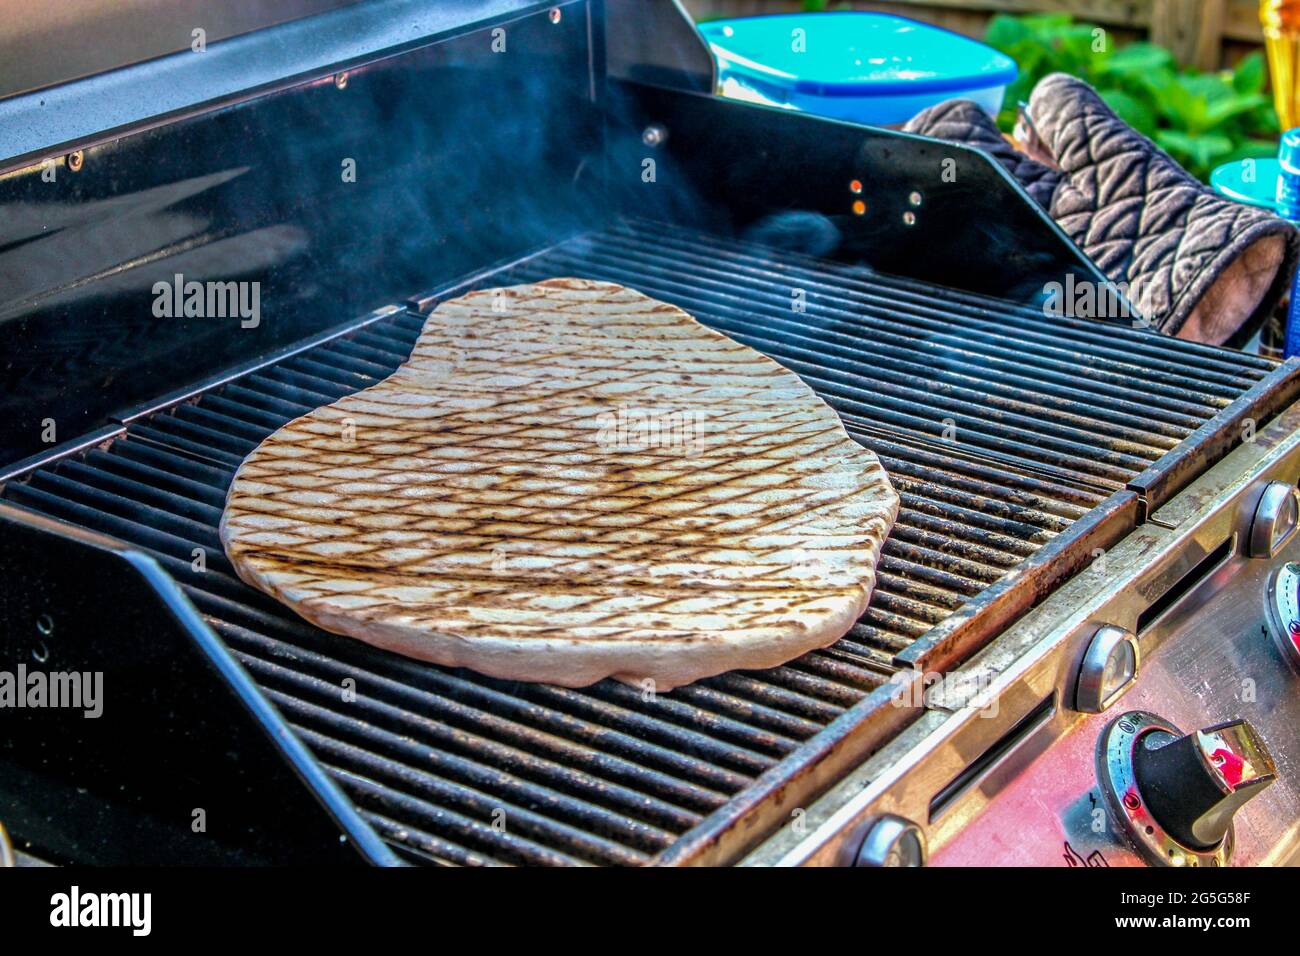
[1201,119]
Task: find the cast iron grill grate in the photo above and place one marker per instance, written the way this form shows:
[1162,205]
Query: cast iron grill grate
[435,757]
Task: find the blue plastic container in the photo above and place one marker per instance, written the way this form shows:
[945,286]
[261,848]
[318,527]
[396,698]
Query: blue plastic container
[868,68]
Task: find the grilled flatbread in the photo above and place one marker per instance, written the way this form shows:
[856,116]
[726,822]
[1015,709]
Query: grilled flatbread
[569,481]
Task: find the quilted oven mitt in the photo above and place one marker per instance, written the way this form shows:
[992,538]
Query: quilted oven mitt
[1196,265]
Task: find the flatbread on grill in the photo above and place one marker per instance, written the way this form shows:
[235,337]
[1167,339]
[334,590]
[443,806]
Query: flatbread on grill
[569,481]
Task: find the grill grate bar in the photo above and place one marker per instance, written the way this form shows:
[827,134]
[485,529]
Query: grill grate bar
[534,811]
[1181,358]
[994,482]
[905,409]
[463,719]
[188,439]
[420,846]
[374,796]
[1119,419]
[952,359]
[999,338]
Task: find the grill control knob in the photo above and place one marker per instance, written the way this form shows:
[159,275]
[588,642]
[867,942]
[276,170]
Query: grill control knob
[1276,518]
[1176,794]
[892,841]
[1284,610]
[1195,783]
[1109,669]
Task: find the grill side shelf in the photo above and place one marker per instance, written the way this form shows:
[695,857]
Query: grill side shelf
[198,764]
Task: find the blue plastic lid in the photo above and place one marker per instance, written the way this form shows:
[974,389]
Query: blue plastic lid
[1250,181]
[855,54]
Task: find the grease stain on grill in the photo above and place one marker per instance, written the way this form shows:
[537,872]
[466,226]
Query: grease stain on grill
[452,767]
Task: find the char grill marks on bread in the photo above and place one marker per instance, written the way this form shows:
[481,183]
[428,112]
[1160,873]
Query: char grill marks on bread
[568,481]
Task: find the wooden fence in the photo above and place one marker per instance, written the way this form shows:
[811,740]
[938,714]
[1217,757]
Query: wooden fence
[1208,34]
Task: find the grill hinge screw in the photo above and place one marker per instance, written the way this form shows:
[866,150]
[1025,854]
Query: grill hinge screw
[341,80]
[654,135]
[76,160]
[555,15]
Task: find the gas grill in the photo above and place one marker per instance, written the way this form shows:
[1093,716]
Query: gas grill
[514,143]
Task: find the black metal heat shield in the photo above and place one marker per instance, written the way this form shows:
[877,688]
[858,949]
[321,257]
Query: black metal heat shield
[929,210]
[187,761]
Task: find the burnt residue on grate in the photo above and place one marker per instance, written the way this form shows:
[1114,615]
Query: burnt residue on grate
[439,759]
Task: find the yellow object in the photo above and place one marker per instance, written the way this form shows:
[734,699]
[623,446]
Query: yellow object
[1281,22]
